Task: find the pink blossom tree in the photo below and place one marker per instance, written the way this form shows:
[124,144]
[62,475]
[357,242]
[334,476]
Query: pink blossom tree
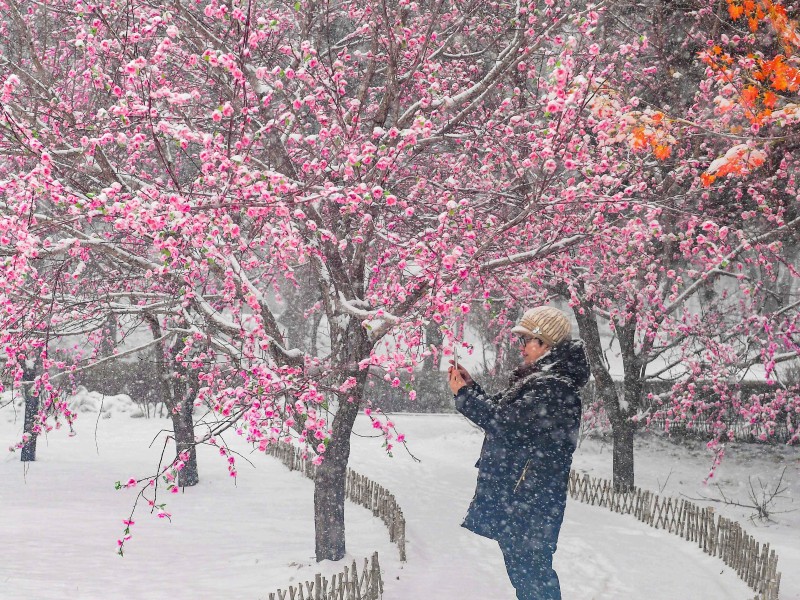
[174,167]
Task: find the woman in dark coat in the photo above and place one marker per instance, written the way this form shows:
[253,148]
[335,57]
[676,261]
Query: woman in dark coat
[531,430]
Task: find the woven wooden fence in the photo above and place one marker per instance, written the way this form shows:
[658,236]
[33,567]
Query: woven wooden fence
[358,489]
[347,585]
[754,563]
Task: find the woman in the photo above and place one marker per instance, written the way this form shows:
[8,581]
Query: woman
[530,435]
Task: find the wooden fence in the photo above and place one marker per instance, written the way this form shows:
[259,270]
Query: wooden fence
[358,489]
[347,585]
[754,563]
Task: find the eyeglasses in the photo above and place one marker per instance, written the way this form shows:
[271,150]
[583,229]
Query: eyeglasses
[524,341]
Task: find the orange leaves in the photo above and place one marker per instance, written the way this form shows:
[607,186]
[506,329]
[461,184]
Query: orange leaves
[785,27]
[735,10]
[638,138]
[770,100]
[755,82]
[716,58]
[754,12]
[775,13]
[645,130]
[759,98]
[650,131]
[749,95]
[781,75]
[707,179]
[662,152]
[738,160]
[786,78]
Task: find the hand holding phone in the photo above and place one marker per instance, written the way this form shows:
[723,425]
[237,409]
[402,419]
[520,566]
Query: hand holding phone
[459,369]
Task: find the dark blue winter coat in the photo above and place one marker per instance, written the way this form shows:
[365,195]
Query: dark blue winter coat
[531,431]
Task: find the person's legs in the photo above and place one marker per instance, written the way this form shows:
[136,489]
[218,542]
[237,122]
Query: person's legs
[529,564]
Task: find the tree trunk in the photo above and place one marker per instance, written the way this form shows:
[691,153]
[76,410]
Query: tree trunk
[183,393]
[622,428]
[183,424]
[28,453]
[331,478]
[178,393]
[433,337]
[622,434]
[329,487]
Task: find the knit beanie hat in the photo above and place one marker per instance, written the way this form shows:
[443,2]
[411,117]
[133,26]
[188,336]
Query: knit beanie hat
[545,323]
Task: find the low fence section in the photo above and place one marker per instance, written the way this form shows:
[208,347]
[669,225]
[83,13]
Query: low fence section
[754,563]
[358,489]
[347,585]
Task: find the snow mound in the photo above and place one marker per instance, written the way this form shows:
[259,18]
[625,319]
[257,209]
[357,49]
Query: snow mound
[85,401]
[82,402]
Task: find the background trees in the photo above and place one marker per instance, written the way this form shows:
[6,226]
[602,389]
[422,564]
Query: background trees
[705,274]
[282,201]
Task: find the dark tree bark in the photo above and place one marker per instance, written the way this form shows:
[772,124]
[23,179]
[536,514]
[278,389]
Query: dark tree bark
[433,337]
[28,453]
[183,425]
[183,390]
[622,428]
[329,488]
[331,477]
[622,435]
[178,392]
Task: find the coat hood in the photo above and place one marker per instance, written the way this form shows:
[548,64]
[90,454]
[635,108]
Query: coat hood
[568,359]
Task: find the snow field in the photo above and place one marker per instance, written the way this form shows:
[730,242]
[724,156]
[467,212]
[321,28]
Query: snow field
[61,517]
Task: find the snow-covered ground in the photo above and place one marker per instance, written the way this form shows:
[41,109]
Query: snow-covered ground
[61,516]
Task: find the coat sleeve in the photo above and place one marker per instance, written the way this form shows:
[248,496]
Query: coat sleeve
[477,406]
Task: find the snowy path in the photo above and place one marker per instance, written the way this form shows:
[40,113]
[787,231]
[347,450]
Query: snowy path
[59,523]
[601,556]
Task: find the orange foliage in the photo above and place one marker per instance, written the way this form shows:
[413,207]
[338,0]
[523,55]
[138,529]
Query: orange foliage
[662,152]
[749,95]
[638,138]
[775,13]
[707,179]
[776,74]
[738,160]
[735,10]
[781,75]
